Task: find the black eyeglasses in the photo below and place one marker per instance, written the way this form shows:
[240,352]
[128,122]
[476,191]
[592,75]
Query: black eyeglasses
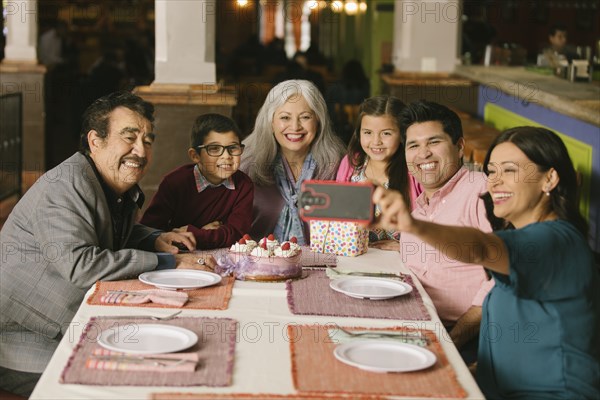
[217,150]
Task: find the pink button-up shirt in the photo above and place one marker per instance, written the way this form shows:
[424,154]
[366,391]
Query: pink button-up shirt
[453,286]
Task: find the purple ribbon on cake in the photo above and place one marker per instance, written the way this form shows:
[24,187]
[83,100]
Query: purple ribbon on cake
[235,265]
[251,267]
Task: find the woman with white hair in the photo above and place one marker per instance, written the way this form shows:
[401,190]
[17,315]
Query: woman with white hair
[292,141]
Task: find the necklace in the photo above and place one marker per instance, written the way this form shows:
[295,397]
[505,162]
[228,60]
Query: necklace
[373,177]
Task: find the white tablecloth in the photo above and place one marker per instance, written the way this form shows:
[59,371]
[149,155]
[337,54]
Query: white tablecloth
[262,354]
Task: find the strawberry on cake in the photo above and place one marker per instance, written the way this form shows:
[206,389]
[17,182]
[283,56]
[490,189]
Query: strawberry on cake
[244,245]
[269,242]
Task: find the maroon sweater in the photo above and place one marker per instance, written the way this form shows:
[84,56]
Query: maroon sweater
[178,203]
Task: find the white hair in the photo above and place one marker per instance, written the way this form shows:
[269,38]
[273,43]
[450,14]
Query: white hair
[261,147]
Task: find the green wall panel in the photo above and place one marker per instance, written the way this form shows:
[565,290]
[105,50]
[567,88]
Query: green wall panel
[580,153]
[382,30]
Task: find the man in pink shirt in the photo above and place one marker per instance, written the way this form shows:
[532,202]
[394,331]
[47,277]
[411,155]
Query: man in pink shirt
[434,147]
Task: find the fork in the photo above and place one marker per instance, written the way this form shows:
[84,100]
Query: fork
[408,335]
[166,317]
[154,317]
[371,274]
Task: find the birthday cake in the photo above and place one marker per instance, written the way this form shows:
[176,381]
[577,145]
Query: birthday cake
[267,259]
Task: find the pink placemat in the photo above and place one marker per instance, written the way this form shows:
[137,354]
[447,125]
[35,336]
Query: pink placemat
[313,296]
[215,347]
[315,369]
[208,298]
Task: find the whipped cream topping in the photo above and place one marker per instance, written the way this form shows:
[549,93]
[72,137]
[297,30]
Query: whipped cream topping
[273,249]
[293,246]
[279,252]
[242,248]
[260,252]
[270,243]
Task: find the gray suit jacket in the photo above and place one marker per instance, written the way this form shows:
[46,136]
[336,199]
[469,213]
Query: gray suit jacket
[56,243]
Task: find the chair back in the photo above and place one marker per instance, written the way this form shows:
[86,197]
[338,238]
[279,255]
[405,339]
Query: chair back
[11,144]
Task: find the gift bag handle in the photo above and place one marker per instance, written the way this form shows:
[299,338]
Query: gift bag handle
[324,242]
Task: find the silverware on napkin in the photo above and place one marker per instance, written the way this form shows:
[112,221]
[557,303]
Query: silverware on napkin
[417,335]
[408,337]
[369,274]
[158,361]
[154,317]
[134,293]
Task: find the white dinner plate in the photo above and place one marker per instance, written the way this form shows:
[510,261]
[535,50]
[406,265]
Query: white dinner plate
[370,288]
[147,339]
[180,278]
[384,355]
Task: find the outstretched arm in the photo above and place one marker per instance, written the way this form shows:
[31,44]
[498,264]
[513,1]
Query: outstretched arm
[464,244]
[467,327]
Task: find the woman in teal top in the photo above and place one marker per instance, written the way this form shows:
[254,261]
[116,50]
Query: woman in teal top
[538,324]
[540,332]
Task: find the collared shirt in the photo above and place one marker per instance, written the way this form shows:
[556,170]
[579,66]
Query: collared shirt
[120,208]
[202,183]
[452,285]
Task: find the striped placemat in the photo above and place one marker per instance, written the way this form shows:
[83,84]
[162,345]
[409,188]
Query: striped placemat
[208,298]
[215,347]
[315,369]
[313,296]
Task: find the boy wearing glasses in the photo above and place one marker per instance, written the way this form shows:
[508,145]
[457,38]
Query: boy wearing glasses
[210,197]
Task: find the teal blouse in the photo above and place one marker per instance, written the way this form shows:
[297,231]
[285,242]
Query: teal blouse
[540,329]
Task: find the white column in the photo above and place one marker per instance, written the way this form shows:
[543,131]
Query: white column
[185,42]
[426,35]
[21,23]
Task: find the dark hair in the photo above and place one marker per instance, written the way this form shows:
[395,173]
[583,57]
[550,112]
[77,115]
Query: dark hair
[498,224]
[425,111]
[547,150]
[96,116]
[378,106]
[557,27]
[206,123]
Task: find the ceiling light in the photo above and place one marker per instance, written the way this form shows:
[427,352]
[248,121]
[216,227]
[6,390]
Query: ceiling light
[337,6]
[351,7]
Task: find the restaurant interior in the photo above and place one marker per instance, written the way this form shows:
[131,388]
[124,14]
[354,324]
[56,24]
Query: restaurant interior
[124,30]
[496,76]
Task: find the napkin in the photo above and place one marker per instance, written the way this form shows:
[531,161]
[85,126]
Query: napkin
[113,360]
[159,296]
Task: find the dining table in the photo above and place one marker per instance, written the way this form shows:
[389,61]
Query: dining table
[266,357]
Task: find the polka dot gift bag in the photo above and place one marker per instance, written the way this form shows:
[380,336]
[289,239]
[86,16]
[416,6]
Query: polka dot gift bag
[341,238]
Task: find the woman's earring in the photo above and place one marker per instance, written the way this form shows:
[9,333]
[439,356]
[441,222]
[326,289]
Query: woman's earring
[547,193]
